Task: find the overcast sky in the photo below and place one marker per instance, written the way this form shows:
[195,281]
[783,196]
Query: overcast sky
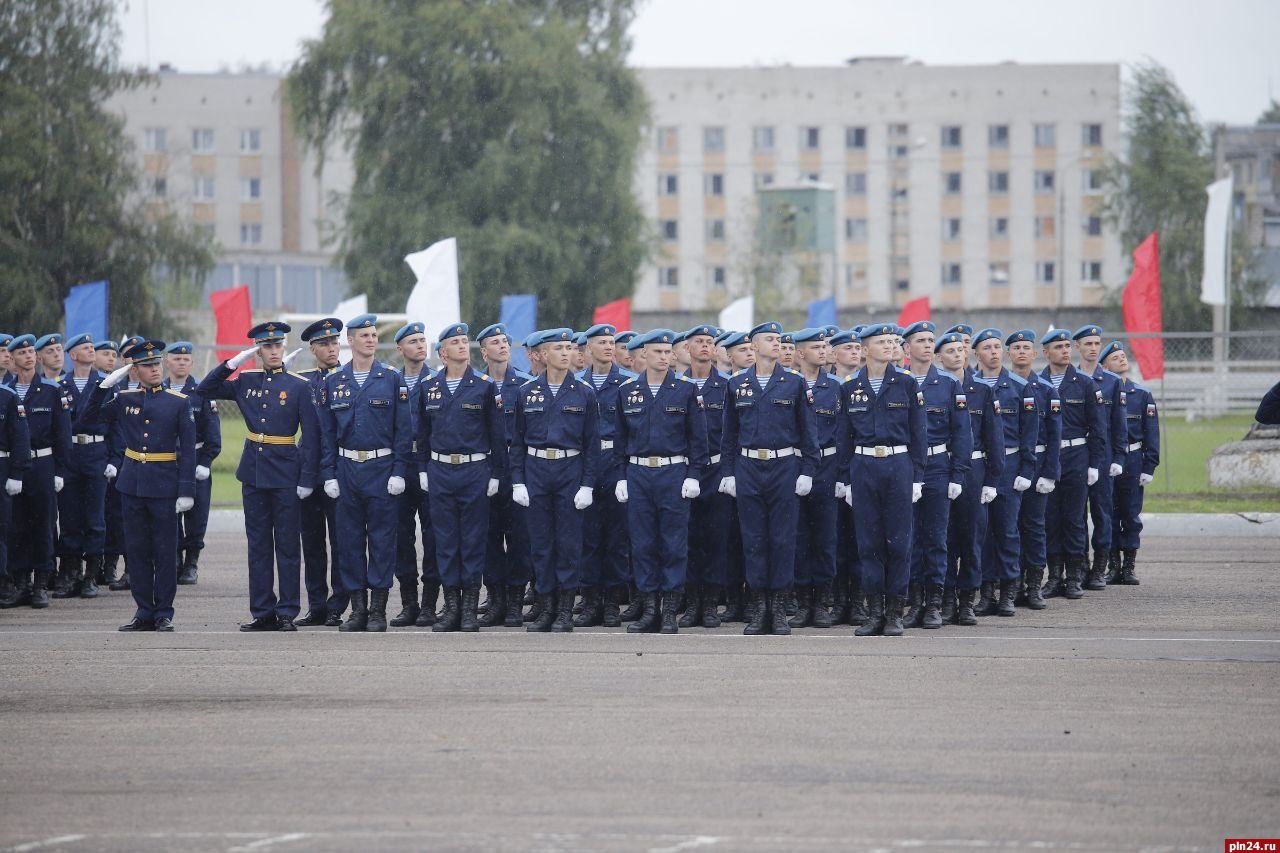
[1224,53]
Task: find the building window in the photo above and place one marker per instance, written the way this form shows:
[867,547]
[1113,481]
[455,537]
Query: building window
[899,152]
[951,228]
[1091,271]
[951,183]
[202,140]
[669,277]
[1091,135]
[1271,233]
[999,274]
[999,228]
[713,183]
[1093,226]
[250,140]
[998,183]
[153,140]
[998,136]
[712,140]
[670,229]
[1046,136]
[855,230]
[951,276]
[715,230]
[250,189]
[250,235]
[1044,181]
[951,136]
[202,188]
[810,138]
[1045,272]
[855,275]
[668,140]
[899,130]
[762,139]
[1046,226]
[763,179]
[855,138]
[902,285]
[811,177]
[1092,181]
[668,184]
[716,277]
[855,184]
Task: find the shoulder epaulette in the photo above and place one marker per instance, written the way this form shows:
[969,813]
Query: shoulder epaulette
[486,376]
[628,381]
[735,373]
[791,370]
[298,375]
[1109,373]
[49,382]
[306,370]
[177,394]
[1138,387]
[631,374]
[7,388]
[530,382]
[685,379]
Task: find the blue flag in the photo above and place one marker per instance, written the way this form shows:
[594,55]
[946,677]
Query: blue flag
[822,313]
[520,316]
[86,310]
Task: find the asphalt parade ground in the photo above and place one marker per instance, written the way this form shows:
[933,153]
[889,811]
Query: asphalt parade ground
[1139,718]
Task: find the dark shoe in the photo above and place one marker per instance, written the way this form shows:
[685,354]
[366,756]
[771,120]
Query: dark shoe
[1055,579]
[497,612]
[545,607]
[964,610]
[377,621]
[758,607]
[528,596]
[451,616]
[164,625]
[931,614]
[779,623]
[1075,573]
[409,610]
[986,600]
[427,610]
[669,602]
[1128,557]
[857,604]
[536,610]
[470,602]
[1095,578]
[710,606]
[333,619]
[262,623]
[949,605]
[839,604]
[92,576]
[648,621]
[821,615]
[1031,586]
[40,591]
[1113,567]
[313,618]
[515,610]
[137,624]
[189,575]
[592,609]
[9,593]
[875,621]
[1008,591]
[121,584]
[804,606]
[733,606]
[67,584]
[915,606]
[610,617]
[563,622]
[359,618]
[634,608]
[286,623]
[692,608]
[791,606]
[892,616]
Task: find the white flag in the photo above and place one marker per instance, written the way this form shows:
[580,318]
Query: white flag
[1213,284]
[434,300]
[739,314]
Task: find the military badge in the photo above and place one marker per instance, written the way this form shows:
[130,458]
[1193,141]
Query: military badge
[961,401]
[284,397]
[1029,404]
[1055,405]
[1151,409]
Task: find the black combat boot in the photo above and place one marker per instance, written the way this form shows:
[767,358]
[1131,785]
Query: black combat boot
[1031,585]
[451,616]
[545,607]
[874,624]
[759,611]
[839,602]
[427,609]
[1004,604]
[496,615]
[1095,577]
[40,591]
[732,604]
[931,614]
[749,606]
[857,603]
[792,606]
[92,570]
[563,622]
[669,602]
[528,596]
[915,606]
[1128,557]
[68,581]
[710,606]
[189,573]
[17,593]
[1075,571]
[780,624]
[986,599]
[822,617]
[333,618]
[649,620]
[1055,580]
[359,618]
[377,621]
[804,607]
[470,602]
[949,604]
[635,606]
[892,616]
[1113,567]
[409,608]
[592,609]
[122,582]
[515,610]
[964,610]
[610,611]
[692,607]
[536,609]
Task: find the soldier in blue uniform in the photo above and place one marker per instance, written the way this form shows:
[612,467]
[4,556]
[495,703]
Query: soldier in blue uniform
[1088,343]
[1142,455]
[1083,452]
[367,454]
[6,360]
[156,480]
[193,523]
[950,447]
[848,602]
[661,446]
[606,561]
[738,351]
[506,570]
[769,456]
[107,355]
[48,414]
[553,474]
[1018,421]
[15,459]
[276,469]
[462,448]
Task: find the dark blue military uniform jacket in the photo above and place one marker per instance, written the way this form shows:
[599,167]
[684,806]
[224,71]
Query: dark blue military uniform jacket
[948,420]
[149,421]
[372,416]
[48,414]
[208,425]
[470,420]
[1018,422]
[1142,424]
[568,421]
[768,418]
[895,416]
[1083,414]
[15,435]
[669,424]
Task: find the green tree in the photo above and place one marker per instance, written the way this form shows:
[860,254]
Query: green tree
[70,212]
[511,125]
[1161,187]
[1272,114]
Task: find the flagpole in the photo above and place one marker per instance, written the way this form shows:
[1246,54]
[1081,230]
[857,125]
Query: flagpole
[1164,435]
[1226,341]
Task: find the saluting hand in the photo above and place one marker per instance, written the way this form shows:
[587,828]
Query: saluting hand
[241,357]
[291,356]
[115,376]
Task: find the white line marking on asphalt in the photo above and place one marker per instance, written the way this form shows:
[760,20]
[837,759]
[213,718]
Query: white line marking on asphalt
[262,843]
[47,842]
[697,841]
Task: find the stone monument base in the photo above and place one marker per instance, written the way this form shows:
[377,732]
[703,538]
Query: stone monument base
[1253,462]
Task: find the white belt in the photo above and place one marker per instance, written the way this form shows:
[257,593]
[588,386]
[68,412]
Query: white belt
[880,451]
[4,454]
[715,460]
[86,438]
[458,458]
[658,461]
[43,451]
[364,455]
[1137,445]
[1009,451]
[1073,442]
[606,444]
[1040,448]
[415,446]
[199,444]
[936,449]
[552,453]
[978,454]
[828,451]
[762,453]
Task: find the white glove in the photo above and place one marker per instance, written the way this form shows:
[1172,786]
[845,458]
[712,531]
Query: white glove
[520,494]
[488,492]
[291,356]
[202,473]
[395,485]
[804,485]
[1116,469]
[988,495]
[241,357]
[917,491]
[184,504]
[422,480]
[1143,480]
[14,487]
[841,491]
[954,490]
[57,483]
[1021,484]
[620,492]
[690,489]
[1044,485]
[848,496]
[583,498]
[728,486]
[304,492]
[1093,476]
[110,472]
[115,376]
[331,488]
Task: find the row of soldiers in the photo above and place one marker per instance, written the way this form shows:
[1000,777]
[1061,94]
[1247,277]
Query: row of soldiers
[868,476]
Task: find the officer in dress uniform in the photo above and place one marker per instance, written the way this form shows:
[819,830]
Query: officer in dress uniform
[553,473]
[606,561]
[661,435]
[1142,455]
[367,453]
[193,523]
[462,448]
[769,456]
[48,414]
[1083,452]
[950,448]
[1088,343]
[276,469]
[1018,421]
[156,479]
[114,548]
[15,459]
[82,523]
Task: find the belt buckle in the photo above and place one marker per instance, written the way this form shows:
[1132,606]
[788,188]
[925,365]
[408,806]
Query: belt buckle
[881,451]
[260,437]
[762,454]
[552,453]
[653,461]
[362,455]
[455,458]
[142,457]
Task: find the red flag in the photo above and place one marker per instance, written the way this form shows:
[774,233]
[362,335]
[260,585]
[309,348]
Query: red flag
[616,313]
[914,311]
[1142,308]
[234,315]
